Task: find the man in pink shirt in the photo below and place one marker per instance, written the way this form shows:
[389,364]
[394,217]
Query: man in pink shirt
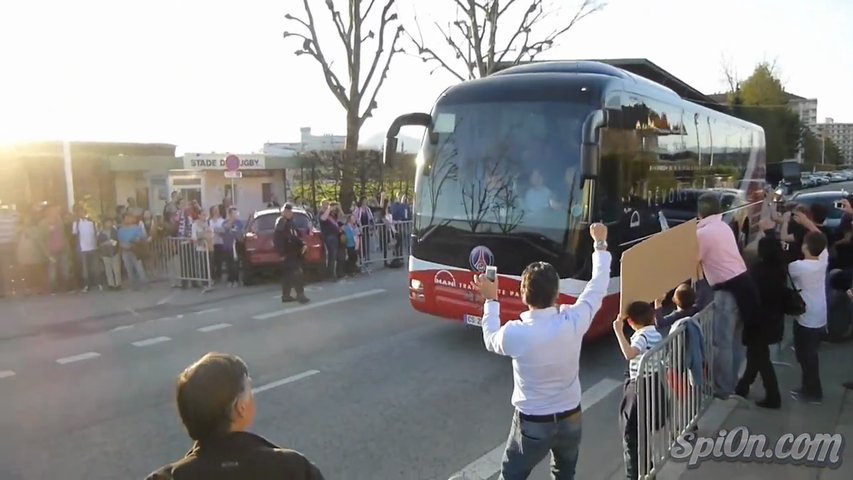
[735,296]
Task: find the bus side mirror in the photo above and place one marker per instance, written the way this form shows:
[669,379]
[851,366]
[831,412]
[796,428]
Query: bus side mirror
[589,161]
[590,149]
[409,119]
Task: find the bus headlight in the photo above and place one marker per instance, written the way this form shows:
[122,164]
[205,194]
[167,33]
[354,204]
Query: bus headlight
[416,290]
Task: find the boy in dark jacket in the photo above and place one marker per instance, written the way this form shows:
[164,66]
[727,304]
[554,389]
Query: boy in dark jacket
[216,405]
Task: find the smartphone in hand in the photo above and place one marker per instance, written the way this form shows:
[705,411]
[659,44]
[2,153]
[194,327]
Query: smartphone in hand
[492,274]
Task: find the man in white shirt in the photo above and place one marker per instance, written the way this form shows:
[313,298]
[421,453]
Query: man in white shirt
[809,277]
[545,347]
[86,235]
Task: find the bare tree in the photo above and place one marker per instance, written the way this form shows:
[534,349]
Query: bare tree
[508,215]
[730,75]
[477,38]
[358,96]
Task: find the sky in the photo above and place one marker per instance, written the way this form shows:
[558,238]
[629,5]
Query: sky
[217,75]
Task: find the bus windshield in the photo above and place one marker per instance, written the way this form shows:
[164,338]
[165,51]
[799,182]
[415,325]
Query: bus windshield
[502,168]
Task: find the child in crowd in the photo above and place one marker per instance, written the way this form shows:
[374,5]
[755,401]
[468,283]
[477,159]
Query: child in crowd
[684,299]
[809,277]
[110,254]
[641,317]
[352,233]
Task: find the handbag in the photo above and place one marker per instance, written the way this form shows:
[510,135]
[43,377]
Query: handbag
[793,303]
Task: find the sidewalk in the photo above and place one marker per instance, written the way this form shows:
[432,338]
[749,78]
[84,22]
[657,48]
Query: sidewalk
[835,415]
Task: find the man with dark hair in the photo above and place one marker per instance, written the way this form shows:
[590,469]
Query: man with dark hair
[290,246]
[216,405]
[545,348]
[735,295]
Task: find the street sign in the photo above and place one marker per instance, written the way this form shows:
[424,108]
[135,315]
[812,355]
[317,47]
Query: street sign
[232,163]
[232,174]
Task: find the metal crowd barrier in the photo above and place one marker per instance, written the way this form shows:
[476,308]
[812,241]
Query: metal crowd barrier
[385,243]
[176,259]
[669,401]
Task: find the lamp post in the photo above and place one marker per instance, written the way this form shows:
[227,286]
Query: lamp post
[69,175]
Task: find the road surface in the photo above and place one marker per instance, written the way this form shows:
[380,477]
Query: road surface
[356,380]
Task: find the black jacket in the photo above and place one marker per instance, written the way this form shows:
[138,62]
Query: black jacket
[770,277]
[239,455]
[286,239]
[771,281]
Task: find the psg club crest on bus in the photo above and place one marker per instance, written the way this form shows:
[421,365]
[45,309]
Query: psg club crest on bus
[480,258]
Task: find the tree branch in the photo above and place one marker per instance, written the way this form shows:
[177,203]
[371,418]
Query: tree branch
[485,21]
[383,24]
[587,8]
[343,33]
[367,11]
[427,55]
[372,104]
[523,28]
[311,46]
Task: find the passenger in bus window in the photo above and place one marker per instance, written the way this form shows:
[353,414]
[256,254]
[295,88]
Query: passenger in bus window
[538,196]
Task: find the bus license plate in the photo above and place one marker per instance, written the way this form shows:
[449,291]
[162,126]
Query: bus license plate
[473,321]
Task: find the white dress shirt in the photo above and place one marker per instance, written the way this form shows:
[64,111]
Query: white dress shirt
[86,235]
[809,277]
[545,345]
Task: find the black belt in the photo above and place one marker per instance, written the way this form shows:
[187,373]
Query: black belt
[554,417]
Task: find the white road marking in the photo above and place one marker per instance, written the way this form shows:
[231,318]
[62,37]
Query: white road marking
[284,381]
[163,319]
[121,327]
[209,310]
[133,312]
[6,373]
[78,358]
[490,464]
[150,341]
[211,328]
[309,306]
[166,300]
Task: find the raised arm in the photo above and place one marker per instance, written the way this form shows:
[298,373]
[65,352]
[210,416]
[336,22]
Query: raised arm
[589,301]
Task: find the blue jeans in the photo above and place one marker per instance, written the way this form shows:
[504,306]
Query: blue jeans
[135,270]
[332,243]
[529,442]
[729,353]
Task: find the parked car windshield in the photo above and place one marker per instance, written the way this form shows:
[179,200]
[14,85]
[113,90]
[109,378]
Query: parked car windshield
[266,223]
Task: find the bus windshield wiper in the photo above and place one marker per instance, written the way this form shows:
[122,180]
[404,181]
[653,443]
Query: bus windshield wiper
[429,230]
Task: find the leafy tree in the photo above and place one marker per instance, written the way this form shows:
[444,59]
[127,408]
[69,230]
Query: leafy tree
[831,153]
[369,52]
[761,99]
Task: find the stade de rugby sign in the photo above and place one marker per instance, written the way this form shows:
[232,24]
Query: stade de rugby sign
[216,161]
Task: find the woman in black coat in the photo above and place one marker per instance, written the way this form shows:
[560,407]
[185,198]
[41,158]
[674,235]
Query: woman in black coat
[770,276]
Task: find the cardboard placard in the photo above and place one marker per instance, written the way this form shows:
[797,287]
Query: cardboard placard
[658,264]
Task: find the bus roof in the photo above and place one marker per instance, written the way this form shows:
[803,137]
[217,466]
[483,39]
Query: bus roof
[555,80]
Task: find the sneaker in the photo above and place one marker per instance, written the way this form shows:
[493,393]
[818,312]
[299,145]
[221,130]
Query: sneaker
[303,299]
[85,289]
[798,394]
[287,299]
